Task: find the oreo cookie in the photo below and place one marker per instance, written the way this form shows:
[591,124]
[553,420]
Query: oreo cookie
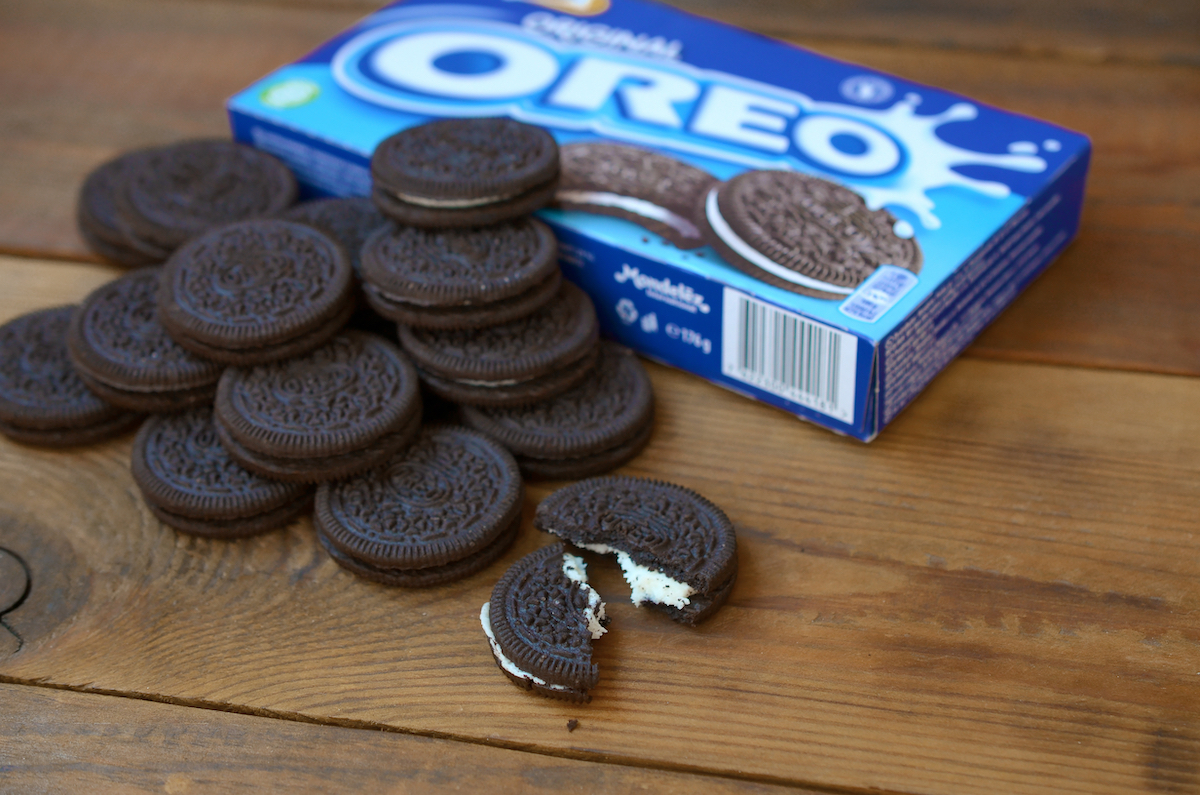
[42,399]
[190,482]
[650,189]
[464,172]
[256,291]
[512,364]
[677,550]
[803,233]
[98,221]
[171,194]
[540,623]
[461,278]
[589,429]
[337,411]
[349,221]
[442,509]
[123,353]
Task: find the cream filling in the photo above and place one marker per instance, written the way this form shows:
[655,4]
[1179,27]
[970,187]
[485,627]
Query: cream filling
[647,585]
[631,205]
[469,382]
[575,570]
[424,201]
[713,213]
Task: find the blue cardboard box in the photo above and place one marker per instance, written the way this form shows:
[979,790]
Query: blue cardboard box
[988,197]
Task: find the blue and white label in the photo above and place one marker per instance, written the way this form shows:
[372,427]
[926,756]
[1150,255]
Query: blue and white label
[879,293]
[472,67]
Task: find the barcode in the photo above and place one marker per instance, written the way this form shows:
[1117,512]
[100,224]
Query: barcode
[789,356]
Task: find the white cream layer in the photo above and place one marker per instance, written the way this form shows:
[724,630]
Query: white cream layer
[646,584]
[631,205]
[423,201]
[575,570]
[713,213]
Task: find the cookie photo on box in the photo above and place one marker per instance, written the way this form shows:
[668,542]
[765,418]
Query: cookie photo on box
[803,233]
[653,190]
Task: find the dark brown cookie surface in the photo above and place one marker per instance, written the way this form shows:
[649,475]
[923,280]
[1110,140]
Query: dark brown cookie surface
[563,331]
[464,172]
[122,351]
[176,192]
[253,285]
[182,469]
[334,400]
[457,267]
[446,497]
[648,188]
[677,549]
[803,233]
[540,622]
[349,221]
[611,407]
[98,221]
[42,398]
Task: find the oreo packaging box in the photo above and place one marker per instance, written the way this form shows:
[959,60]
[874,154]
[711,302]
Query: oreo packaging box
[810,233]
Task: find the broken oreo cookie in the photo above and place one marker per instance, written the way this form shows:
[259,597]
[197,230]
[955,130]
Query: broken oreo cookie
[461,278]
[648,188]
[587,430]
[677,550]
[332,413]
[190,482]
[803,233]
[43,401]
[540,623]
[440,510]
[464,172]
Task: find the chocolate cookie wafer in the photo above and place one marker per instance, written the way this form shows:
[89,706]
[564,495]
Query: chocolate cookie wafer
[650,189]
[171,194]
[512,364]
[587,430]
[98,221]
[464,172]
[461,278]
[256,291]
[332,413]
[349,221]
[123,353]
[42,399]
[803,233]
[440,510]
[190,482]
[677,550]
[540,623]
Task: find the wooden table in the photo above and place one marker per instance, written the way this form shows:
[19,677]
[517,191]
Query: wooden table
[1001,594]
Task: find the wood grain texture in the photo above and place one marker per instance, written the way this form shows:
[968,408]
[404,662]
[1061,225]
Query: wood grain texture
[85,79]
[1159,30]
[59,741]
[999,595]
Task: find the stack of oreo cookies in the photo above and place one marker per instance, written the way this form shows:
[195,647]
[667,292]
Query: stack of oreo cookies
[138,208]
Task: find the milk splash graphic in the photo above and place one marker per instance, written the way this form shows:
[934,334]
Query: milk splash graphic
[932,160]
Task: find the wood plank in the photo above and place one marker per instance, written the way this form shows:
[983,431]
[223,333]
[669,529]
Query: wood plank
[999,595]
[60,741]
[85,79]
[1159,30]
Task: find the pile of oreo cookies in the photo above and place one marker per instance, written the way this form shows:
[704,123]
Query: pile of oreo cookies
[264,401]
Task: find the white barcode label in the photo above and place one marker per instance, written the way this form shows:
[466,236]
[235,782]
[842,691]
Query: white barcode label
[789,356]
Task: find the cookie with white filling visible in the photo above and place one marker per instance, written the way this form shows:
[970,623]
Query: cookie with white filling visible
[677,550]
[650,189]
[541,621]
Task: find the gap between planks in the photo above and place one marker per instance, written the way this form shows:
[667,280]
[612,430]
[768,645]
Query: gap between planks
[529,748]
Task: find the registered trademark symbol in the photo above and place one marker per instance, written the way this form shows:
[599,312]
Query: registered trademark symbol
[867,89]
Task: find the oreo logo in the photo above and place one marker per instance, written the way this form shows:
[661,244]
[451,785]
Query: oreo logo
[481,68]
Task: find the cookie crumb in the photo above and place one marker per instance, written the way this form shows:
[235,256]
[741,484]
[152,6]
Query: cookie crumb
[572,725]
